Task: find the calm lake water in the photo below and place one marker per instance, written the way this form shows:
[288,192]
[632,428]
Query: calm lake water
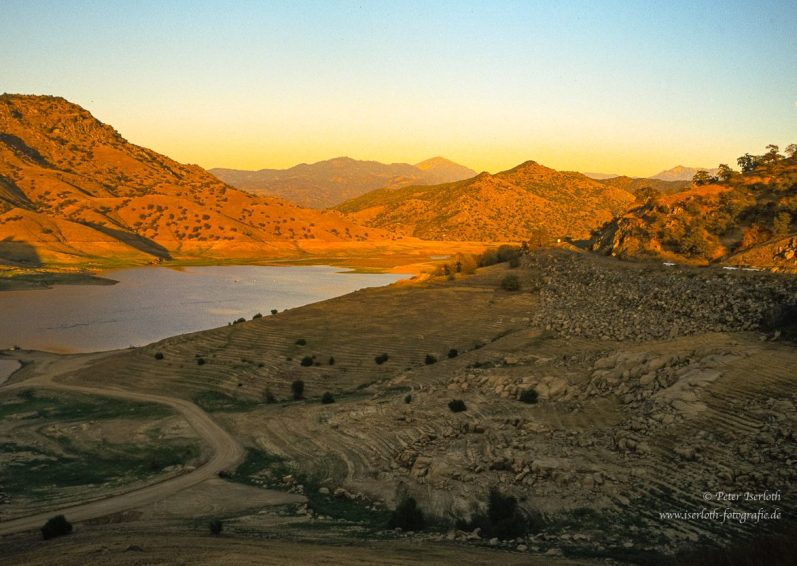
[151,303]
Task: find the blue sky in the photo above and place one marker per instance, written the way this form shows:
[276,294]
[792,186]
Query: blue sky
[628,87]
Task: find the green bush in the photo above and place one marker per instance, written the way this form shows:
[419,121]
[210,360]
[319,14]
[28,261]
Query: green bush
[457,405]
[297,388]
[215,526]
[158,355]
[430,359]
[331,361]
[503,519]
[301,342]
[407,516]
[55,527]
[510,283]
[529,396]
[327,398]
[200,361]
[307,361]
[381,358]
[408,398]
[453,353]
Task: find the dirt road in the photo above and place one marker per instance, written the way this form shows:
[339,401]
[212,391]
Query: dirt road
[226,451]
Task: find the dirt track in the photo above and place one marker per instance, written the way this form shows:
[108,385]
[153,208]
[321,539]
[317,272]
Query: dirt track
[226,450]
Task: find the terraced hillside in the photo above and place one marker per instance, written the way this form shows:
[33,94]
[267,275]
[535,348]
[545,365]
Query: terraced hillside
[627,425]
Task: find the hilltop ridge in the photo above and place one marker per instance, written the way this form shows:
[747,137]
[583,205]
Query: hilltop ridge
[73,190]
[527,201]
[328,183]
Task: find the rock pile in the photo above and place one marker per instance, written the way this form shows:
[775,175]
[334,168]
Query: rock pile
[580,296]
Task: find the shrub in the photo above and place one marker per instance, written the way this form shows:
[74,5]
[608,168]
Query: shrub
[408,398]
[407,516]
[430,359]
[215,526]
[301,342]
[268,397]
[258,315]
[381,358]
[503,519]
[453,353]
[274,311]
[307,361]
[457,405]
[510,283]
[528,396]
[158,355]
[200,361]
[514,262]
[55,527]
[239,321]
[331,361]
[327,398]
[297,388]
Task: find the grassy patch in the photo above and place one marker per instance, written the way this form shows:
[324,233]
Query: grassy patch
[217,402]
[41,471]
[69,407]
[263,469]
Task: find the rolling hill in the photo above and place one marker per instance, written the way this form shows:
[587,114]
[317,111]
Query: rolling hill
[636,184]
[329,183]
[528,202]
[74,191]
[745,218]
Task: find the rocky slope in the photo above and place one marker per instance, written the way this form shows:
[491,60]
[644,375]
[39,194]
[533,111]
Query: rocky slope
[631,420]
[743,219]
[528,202]
[329,183]
[72,190]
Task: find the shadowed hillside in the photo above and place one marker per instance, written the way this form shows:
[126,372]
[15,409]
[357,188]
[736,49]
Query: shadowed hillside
[328,183]
[528,202]
[74,190]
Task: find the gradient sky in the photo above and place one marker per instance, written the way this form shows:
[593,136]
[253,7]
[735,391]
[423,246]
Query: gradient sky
[627,87]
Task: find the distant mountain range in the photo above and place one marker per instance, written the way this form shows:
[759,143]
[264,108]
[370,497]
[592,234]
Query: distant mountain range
[681,173]
[72,190]
[513,205]
[329,183]
[677,173]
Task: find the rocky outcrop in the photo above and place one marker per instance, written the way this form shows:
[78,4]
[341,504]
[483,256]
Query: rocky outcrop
[580,296]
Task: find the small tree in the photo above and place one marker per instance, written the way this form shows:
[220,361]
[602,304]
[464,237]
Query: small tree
[457,405]
[307,361]
[297,388]
[430,359]
[331,361]
[158,355]
[381,358]
[407,516]
[301,342]
[215,526]
[510,283]
[274,311]
[327,398]
[529,396]
[55,527]
[453,353]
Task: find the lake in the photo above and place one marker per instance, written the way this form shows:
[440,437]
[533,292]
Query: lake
[152,303]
